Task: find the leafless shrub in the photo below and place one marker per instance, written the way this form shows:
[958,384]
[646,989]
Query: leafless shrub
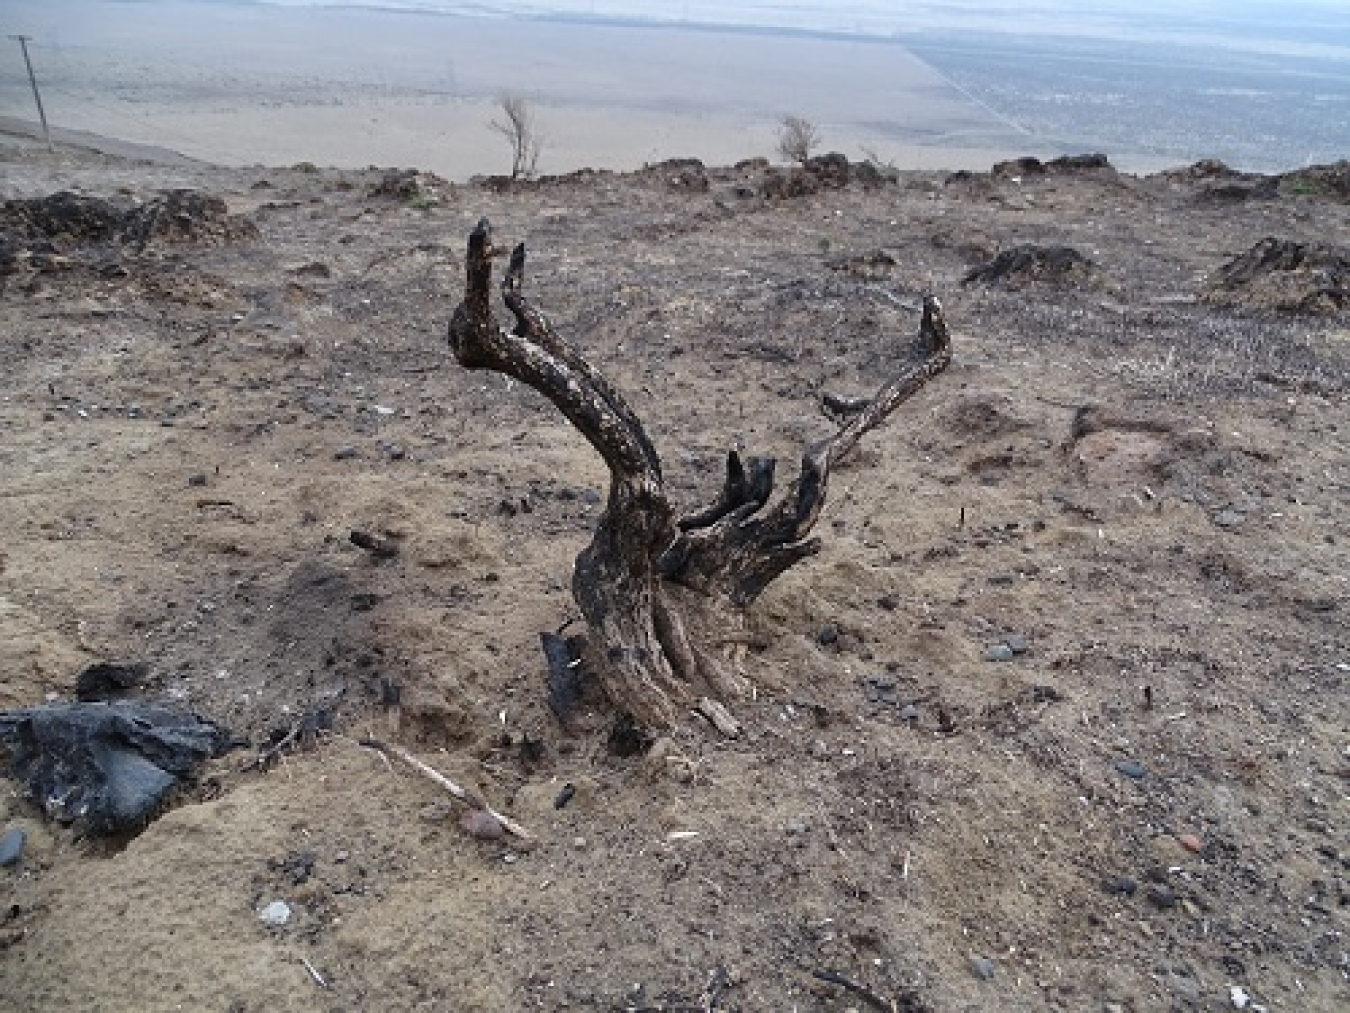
[517,125]
[797,138]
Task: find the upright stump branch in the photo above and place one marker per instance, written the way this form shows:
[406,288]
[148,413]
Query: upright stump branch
[665,600]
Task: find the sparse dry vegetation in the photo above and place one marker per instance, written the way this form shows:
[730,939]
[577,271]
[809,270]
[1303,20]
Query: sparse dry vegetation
[518,127]
[798,139]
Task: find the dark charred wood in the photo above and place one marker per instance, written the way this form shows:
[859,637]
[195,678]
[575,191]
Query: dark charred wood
[380,548]
[564,680]
[664,601]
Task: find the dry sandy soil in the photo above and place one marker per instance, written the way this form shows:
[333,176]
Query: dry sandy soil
[193,425]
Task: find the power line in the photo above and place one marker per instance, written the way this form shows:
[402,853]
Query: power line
[22,40]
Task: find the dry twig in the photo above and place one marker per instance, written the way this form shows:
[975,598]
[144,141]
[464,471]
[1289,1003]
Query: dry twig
[463,794]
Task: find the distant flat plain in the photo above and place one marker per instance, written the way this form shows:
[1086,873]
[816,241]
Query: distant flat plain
[244,84]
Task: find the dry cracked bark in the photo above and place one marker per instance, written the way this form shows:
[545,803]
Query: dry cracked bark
[665,598]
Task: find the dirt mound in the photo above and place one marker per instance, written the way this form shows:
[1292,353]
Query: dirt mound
[185,216]
[412,186]
[1328,181]
[1028,264]
[63,216]
[1281,274]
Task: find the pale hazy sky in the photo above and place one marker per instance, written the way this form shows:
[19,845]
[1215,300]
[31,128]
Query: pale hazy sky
[1296,27]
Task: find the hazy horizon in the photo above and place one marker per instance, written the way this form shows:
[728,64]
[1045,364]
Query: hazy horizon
[1260,85]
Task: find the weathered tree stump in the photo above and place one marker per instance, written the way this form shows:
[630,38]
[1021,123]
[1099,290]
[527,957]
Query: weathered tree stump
[665,598]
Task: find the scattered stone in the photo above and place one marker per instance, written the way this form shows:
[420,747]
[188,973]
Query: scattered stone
[999,652]
[880,689]
[275,915]
[1184,986]
[796,827]
[1191,843]
[1229,518]
[196,481]
[1002,579]
[909,712]
[1132,769]
[1163,898]
[982,968]
[345,453]
[11,846]
[1121,886]
[828,635]
[1239,997]
[482,824]
[1017,643]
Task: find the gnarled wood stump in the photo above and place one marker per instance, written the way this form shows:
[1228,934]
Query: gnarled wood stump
[665,598]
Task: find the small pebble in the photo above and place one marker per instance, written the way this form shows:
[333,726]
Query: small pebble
[1191,843]
[999,652]
[1123,886]
[1017,643]
[828,635]
[982,967]
[579,843]
[345,453]
[275,915]
[1239,997]
[196,480]
[1132,769]
[1162,898]
[11,846]
[909,712]
[482,825]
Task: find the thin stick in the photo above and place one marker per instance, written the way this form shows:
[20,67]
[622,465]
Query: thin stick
[313,973]
[463,794]
[861,991]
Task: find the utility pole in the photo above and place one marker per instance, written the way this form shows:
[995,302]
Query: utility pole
[32,79]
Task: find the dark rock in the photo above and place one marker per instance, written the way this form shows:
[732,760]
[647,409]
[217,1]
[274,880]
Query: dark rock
[982,968]
[1163,898]
[346,453]
[105,680]
[1017,643]
[1121,886]
[1132,769]
[106,767]
[909,712]
[828,635]
[11,846]
[999,652]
